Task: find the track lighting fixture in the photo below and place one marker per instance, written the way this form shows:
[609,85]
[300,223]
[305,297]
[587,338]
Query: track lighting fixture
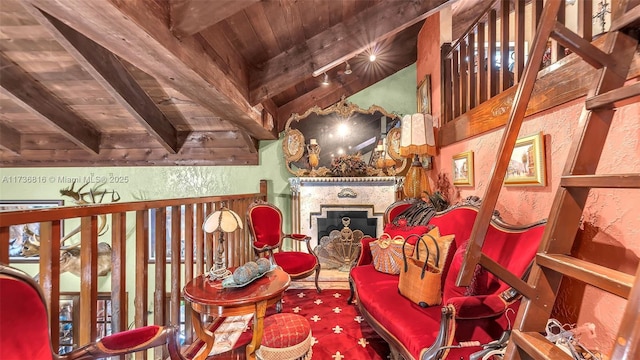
[325,79]
[347,68]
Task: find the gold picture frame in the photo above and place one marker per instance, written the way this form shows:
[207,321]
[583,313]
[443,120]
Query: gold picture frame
[424,95]
[463,169]
[527,165]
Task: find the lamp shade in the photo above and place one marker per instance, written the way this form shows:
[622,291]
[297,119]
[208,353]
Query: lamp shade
[224,220]
[417,136]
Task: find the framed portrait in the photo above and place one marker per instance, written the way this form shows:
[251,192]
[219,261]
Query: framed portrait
[527,165]
[463,169]
[424,95]
[20,234]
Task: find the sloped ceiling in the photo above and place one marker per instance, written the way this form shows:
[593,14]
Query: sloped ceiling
[183,82]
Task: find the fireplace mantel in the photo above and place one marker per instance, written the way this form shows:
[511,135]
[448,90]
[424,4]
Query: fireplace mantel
[312,197]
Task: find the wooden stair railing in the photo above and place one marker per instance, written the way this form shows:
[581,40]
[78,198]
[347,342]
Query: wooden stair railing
[478,66]
[198,248]
[553,262]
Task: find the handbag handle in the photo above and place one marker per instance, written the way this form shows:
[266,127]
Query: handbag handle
[426,262]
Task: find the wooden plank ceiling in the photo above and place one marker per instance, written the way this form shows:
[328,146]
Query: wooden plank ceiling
[183,82]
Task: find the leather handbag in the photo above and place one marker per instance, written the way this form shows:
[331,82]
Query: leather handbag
[420,281]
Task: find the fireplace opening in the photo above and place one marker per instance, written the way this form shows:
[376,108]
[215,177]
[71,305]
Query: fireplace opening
[360,220]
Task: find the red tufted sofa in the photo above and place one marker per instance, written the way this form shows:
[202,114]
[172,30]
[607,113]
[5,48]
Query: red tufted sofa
[474,313]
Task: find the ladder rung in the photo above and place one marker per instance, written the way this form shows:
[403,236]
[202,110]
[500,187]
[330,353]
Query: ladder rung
[583,48]
[610,97]
[621,181]
[628,18]
[607,279]
[537,346]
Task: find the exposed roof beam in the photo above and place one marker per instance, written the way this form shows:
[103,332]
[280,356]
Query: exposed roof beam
[188,17]
[32,96]
[130,157]
[137,32]
[336,45]
[9,139]
[111,73]
[405,52]
[466,13]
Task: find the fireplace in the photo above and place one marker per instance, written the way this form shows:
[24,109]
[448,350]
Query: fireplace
[358,220]
[317,199]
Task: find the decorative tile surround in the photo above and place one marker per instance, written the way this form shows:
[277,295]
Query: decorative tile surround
[312,197]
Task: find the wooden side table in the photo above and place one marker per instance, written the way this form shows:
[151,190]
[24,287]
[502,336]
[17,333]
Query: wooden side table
[210,298]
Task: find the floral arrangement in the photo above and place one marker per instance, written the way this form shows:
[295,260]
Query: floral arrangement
[348,165]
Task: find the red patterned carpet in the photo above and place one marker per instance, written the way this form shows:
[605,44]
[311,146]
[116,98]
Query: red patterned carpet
[339,332]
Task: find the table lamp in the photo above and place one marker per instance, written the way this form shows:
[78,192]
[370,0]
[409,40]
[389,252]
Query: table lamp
[223,221]
[417,139]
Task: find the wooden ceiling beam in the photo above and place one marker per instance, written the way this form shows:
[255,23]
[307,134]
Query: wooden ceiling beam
[10,139]
[140,140]
[193,156]
[137,32]
[466,13]
[337,44]
[188,17]
[33,97]
[405,50]
[114,77]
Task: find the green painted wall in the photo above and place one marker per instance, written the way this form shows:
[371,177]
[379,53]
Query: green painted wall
[395,94]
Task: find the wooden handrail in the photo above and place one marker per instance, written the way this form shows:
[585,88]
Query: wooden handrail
[470,75]
[181,234]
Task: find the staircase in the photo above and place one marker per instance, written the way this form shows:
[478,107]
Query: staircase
[553,262]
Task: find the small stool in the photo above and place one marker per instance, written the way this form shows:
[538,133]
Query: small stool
[286,336]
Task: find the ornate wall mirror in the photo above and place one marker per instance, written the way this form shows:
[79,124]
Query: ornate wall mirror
[343,140]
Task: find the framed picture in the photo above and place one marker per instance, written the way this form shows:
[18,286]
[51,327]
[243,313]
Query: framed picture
[424,95]
[20,234]
[527,163]
[463,169]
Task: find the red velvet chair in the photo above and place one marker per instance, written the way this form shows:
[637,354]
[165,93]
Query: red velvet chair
[265,226]
[24,327]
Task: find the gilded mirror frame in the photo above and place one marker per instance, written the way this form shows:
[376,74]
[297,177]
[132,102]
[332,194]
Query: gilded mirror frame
[299,152]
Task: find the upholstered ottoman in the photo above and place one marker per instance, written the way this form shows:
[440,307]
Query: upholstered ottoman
[285,337]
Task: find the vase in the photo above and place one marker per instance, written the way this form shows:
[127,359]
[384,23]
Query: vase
[313,160]
[314,155]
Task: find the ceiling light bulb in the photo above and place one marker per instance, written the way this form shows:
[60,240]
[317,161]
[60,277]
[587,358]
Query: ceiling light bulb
[347,69]
[372,57]
[325,80]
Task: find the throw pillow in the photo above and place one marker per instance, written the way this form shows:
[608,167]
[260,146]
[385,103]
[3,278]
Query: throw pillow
[444,244]
[387,253]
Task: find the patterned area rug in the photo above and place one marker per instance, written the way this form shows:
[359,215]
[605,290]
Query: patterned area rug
[339,332]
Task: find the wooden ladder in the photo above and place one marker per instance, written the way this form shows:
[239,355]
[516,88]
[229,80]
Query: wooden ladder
[553,261]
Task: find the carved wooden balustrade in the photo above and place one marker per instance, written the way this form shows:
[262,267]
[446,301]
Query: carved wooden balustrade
[479,71]
[176,221]
[489,58]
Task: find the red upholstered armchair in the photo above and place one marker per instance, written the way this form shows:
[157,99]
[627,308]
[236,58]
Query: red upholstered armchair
[24,327]
[265,226]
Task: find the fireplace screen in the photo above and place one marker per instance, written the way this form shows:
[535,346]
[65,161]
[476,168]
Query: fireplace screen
[339,247]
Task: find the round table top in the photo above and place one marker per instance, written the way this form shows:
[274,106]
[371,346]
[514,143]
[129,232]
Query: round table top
[203,291]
